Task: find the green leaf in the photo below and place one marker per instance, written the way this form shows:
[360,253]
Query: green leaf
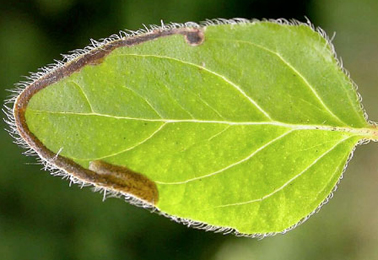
[236,127]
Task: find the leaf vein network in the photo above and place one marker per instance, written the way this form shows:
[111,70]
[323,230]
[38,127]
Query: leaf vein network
[289,181]
[230,165]
[238,88]
[314,92]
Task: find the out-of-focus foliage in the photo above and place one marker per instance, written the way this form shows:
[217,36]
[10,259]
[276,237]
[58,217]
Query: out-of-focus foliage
[41,218]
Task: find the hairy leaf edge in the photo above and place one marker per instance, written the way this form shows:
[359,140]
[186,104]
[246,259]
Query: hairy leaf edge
[60,166]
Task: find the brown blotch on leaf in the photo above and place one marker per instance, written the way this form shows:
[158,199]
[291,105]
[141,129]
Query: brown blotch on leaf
[125,180]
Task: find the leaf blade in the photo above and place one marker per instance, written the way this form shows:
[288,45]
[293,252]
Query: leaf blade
[195,120]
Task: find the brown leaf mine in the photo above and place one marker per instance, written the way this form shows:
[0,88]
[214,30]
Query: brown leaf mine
[100,174]
[125,180]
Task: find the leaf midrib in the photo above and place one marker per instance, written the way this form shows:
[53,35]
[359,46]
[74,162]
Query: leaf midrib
[365,133]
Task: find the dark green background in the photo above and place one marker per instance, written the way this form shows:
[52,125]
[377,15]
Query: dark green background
[42,218]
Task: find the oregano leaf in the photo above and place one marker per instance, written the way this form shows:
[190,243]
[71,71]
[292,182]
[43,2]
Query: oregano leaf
[231,126]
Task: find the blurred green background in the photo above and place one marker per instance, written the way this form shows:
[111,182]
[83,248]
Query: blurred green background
[41,218]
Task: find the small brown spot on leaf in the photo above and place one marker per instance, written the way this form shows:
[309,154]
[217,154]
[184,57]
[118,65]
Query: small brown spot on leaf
[195,37]
[95,62]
